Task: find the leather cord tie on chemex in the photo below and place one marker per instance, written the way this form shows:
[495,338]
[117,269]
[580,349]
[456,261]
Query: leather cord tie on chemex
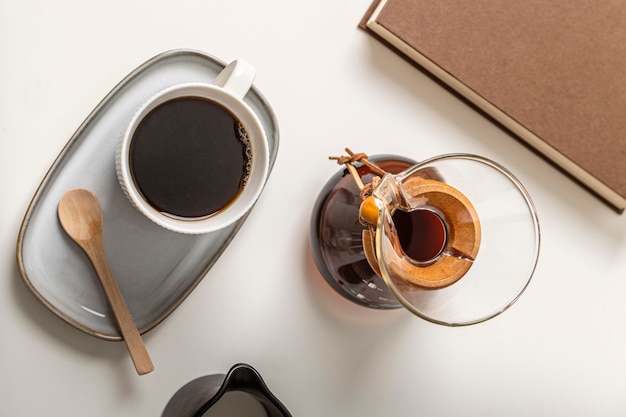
[349,160]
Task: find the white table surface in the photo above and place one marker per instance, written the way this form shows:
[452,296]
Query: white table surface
[559,351]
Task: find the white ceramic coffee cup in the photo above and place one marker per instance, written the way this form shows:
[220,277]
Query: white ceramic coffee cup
[227,90]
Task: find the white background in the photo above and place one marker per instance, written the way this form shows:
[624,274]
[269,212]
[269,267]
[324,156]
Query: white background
[559,351]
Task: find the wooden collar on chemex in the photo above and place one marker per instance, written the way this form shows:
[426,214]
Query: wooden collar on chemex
[462,226]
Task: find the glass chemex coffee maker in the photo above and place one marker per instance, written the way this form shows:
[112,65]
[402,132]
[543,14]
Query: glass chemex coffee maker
[454,238]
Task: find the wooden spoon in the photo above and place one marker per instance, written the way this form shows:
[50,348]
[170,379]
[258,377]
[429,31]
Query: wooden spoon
[81,217]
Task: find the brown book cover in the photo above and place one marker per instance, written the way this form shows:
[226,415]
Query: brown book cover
[553,73]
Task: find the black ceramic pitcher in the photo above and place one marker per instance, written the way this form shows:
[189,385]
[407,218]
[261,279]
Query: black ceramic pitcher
[241,392]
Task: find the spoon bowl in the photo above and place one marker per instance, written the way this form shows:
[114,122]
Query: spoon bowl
[81,216]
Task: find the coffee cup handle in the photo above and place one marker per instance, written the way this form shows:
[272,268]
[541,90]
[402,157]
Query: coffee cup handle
[237,78]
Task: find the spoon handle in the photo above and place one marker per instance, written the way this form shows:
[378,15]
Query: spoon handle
[134,343]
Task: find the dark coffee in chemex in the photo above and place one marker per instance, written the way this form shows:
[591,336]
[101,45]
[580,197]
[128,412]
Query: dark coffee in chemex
[422,233]
[190,158]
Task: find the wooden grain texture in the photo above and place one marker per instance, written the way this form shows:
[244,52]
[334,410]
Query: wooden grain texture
[81,217]
[462,242]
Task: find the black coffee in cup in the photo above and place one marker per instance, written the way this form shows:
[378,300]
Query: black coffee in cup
[190,158]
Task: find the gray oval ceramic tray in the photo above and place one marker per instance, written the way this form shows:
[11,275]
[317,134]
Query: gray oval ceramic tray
[156,269]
